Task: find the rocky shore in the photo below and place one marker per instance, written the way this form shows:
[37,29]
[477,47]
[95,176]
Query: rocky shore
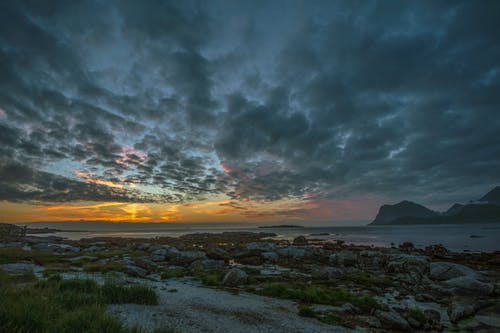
[246,282]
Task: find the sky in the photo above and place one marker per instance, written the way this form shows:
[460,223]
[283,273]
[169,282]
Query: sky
[220,111]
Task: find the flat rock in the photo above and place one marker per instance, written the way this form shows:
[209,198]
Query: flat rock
[469,285]
[392,320]
[21,267]
[235,277]
[447,270]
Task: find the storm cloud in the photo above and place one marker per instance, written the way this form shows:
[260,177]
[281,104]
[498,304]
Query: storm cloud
[159,101]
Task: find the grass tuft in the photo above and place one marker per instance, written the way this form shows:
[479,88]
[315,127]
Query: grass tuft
[318,294]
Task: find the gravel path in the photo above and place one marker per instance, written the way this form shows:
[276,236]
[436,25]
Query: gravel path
[193,308]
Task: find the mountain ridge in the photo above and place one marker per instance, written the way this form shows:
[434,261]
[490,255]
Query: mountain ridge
[486,210]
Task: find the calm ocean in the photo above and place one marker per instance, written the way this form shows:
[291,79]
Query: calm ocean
[460,237]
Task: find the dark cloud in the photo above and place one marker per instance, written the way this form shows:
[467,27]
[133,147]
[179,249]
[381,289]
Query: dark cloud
[332,98]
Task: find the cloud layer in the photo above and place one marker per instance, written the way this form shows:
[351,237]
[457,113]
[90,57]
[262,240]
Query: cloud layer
[154,101]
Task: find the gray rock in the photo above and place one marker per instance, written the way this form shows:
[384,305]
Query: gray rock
[261,246]
[370,321]
[292,252]
[145,263]
[135,271]
[158,255]
[270,256]
[458,311]
[469,285]
[144,246]
[408,263]
[326,273]
[206,264]
[344,258]
[94,248]
[447,270]
[20,267]
[371,259]
[185,257]
[217,253]
[235,277]
[300,240]
[392,320]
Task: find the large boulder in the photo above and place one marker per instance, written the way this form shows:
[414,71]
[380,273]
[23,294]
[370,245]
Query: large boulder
[372,259]
[235,277]
[408,263]
[469,285]
[217,253]
[392,320]
[206,264]
[458,311]
[292,252]
[185,257]
[135,271]
[300,240]
[159,255]
[270,256]
[344,258]
[447,270]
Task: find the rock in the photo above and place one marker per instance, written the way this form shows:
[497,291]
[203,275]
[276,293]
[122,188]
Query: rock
[414,323]
[469,285]
[408,263]
[135,271]
[433,317]
[457,311]
[217,253]
[292,252]
[447,270]
[270,256]
[158,255]
[185,257]
[94,248]
[145,263]
[206,264]
[326,273]
[326,309]
[370,321]
[300,240]
[348,308]
[235,277]
[372,259]
[144,246]
[261,246]
[56,247]
[344,258]
[20,267]
[392,320]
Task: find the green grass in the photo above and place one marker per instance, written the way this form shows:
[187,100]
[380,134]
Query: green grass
[318,294]
[210,278]
[306,311]
[370,281]
[64,306]
[417,314]
[11,255]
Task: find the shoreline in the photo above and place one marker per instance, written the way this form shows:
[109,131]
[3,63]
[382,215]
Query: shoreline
[324,286]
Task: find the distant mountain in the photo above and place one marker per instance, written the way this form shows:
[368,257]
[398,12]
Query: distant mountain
[453,210]
[487,210]
[492,196]
[404,209]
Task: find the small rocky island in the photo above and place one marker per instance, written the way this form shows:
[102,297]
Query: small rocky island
[248,282]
